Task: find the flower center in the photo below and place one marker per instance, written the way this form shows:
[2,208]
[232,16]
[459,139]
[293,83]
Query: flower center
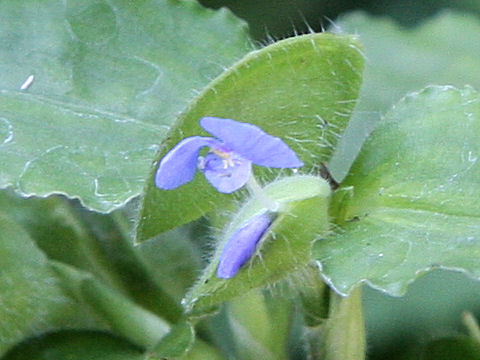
[226,157]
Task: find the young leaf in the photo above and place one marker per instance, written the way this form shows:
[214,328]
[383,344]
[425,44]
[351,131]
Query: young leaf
[415,196]
[285,248]
[109,78]
[300,89]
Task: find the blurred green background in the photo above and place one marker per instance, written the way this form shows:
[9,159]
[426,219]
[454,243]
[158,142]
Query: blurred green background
[281,18]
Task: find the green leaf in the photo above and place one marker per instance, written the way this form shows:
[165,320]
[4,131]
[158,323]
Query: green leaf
[443,50]
[31,298]
[284,249]
[76,345]
[301,89]
[415,196]
[110,77]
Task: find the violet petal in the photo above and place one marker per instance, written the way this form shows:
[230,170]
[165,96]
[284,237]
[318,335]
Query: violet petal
[252,143]
[241,246]
[225,175]
[178,166]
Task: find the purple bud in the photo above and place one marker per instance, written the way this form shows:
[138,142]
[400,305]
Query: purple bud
[241,246]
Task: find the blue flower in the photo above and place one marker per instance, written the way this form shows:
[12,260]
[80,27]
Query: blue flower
[228,164]
[241,246]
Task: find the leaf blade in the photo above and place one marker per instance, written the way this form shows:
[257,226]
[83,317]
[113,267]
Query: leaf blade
[109,78]
[414,202]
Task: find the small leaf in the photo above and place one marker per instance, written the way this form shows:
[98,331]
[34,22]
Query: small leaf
[301,89]
[285,249]
[76,345]
[415,196]
[109,78]
[31,298]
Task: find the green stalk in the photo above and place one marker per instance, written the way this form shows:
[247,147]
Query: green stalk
[472,325]
[345,329]
[342,337]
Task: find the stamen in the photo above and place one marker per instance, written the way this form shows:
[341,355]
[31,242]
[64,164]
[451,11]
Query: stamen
[201,163]
[226,158]
[222,154]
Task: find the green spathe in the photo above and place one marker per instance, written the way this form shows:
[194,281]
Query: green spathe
[284,249]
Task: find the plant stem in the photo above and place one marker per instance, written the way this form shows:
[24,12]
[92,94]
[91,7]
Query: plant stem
[472,325]
[345,333]
[257,191]
[342,337]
